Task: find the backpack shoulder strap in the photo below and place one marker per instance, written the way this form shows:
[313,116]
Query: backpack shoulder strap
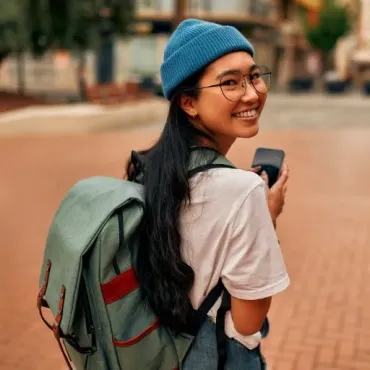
[183,342]
[202,158]
[201,313]
[205,158]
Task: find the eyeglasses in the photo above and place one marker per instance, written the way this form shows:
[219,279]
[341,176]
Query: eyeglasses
[234,84]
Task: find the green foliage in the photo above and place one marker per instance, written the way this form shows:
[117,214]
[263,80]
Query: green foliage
[334,22]
[12,31]
[38,25]
[123,15]
[76,24]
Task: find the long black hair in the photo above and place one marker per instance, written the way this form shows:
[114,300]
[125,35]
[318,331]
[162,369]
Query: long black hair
[164,277]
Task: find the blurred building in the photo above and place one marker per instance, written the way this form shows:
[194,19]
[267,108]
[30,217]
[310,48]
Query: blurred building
[293,53]
[257,19]
[274,32]
[352,52]
[160,13]
[273,27]
[361,55]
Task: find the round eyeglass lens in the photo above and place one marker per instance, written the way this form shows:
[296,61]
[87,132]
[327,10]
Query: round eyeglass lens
[233,84]
[260,78]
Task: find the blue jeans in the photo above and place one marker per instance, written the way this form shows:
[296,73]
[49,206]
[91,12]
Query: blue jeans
[203,352]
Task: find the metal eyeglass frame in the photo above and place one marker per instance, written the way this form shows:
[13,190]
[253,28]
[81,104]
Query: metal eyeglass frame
[245,86]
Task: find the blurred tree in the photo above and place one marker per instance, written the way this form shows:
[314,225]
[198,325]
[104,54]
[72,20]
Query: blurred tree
[79,25]
[75,25]
[333,23]
[9,17]
[13,34]
[38,25]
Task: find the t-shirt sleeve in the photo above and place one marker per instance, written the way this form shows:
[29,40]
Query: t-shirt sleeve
[254,266]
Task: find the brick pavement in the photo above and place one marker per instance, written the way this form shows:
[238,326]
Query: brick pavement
[322,322]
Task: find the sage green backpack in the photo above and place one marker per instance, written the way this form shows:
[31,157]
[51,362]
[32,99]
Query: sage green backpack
[88,279]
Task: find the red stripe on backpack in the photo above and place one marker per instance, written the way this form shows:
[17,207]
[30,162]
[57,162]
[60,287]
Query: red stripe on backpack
[120,286]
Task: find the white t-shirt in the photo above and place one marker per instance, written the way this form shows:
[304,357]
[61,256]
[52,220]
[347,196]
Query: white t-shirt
[227,232]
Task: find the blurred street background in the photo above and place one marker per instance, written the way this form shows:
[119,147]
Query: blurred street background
[80,88]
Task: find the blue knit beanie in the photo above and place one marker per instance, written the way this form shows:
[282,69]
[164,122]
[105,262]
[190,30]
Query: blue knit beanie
[195,44]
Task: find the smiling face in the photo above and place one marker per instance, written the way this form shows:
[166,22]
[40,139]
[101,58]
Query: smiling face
[232,110]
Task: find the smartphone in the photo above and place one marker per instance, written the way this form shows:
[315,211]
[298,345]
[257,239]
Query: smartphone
[271,161]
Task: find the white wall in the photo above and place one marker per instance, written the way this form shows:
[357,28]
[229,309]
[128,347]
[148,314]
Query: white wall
[226,6]
[167,5]
[365,22]
[137,56]
[217,6]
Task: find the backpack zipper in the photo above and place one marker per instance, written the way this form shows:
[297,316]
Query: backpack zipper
[94,315]
[72,339]
[89,320]
[121,237]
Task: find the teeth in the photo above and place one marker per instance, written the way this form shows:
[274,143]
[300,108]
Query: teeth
[245,114]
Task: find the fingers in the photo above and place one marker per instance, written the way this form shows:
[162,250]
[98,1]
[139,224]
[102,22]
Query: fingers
[284,176]
[284,173]
[265,177]
[255,169]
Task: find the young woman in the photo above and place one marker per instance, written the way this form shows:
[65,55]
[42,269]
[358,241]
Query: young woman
[219,223]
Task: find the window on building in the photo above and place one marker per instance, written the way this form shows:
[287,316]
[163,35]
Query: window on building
[144,55]
[195,4]
[207,5]
[230,6]
[148,4]
[245,5]
[167,5]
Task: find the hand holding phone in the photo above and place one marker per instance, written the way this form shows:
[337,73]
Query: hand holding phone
[270,161]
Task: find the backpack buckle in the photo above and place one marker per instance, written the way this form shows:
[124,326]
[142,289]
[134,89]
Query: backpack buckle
[42,302]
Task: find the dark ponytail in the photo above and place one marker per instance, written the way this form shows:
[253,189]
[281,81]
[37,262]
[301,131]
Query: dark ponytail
[164,277]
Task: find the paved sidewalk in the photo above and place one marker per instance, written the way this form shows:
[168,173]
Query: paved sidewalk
[322,322]
[282,111]
[82,118]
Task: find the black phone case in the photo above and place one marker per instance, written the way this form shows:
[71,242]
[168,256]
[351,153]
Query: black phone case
[271,161]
